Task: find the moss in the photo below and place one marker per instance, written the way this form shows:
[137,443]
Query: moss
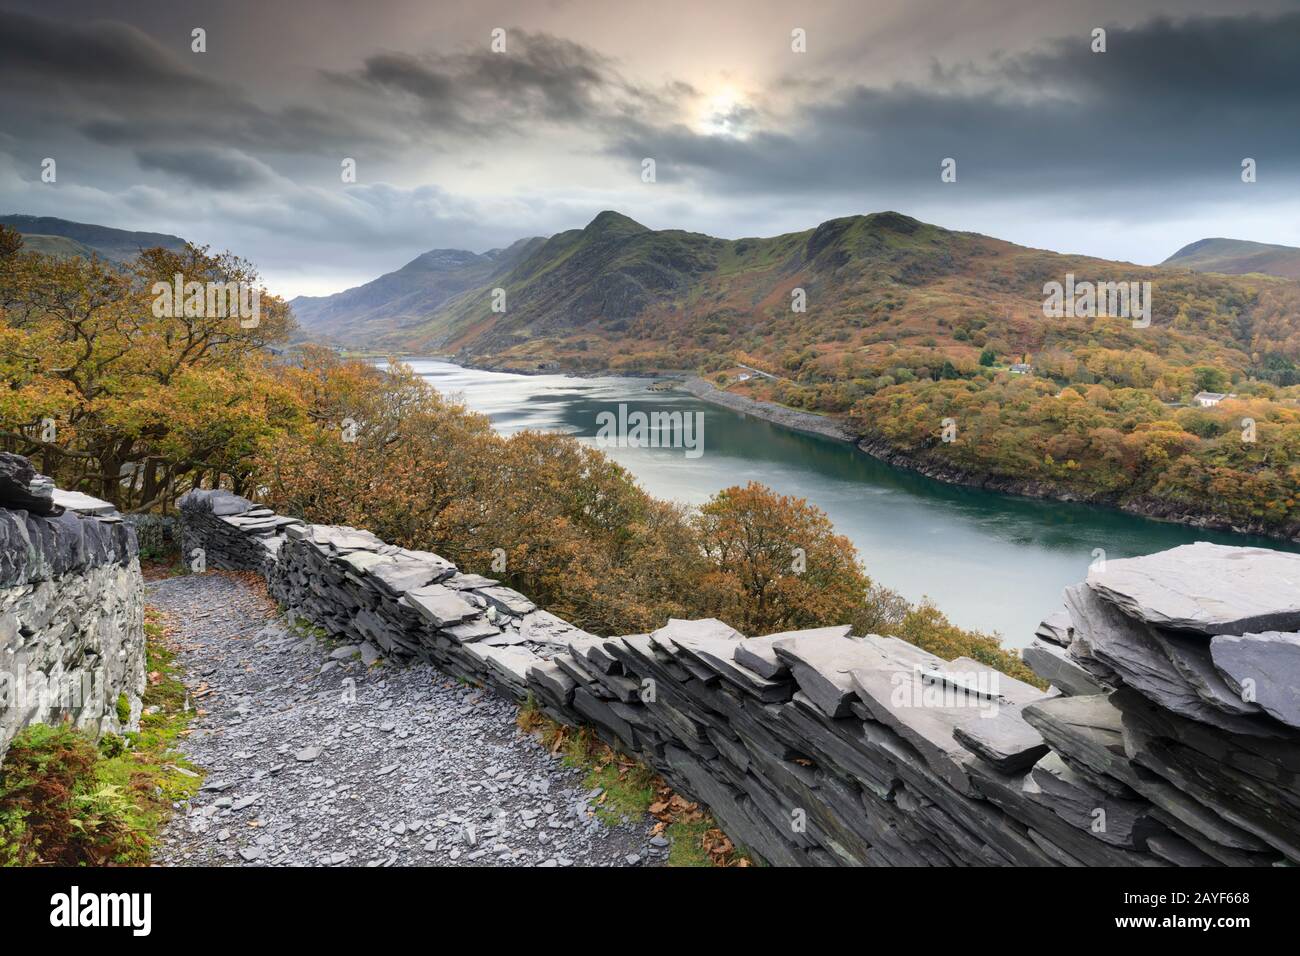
[123,709]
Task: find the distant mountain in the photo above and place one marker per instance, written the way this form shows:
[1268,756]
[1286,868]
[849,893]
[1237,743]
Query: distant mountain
[63,237]
[862,299]
[382,307]
[1238,257]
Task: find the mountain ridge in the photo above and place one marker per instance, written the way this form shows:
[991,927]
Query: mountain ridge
[119,245]
[408,293]
[1238,257]
[617,295]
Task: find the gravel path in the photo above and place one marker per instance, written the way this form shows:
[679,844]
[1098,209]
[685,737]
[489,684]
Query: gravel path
[317,761]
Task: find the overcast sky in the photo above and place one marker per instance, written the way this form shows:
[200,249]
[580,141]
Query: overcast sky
[1127,154]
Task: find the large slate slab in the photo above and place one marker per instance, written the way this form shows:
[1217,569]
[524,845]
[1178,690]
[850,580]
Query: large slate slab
[1126,823]
[1206,588]
[705,628]
[924,699]
[1087,729]
[1055,628]
[822,666]
[1006,741]
[1054,665]
[1144,659]
[718,655]
[22,488]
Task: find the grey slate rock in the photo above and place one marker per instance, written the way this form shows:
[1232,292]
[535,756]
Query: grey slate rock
[1126,823]
[821,667]
[1055,628]
[758,653]
[440,605]
[1206,588]
[1087,729]
[1055,665]
[1268,664]
[1006,740]
[1143,659]
[22,488]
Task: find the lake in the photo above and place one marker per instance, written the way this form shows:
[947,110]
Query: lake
[991,562]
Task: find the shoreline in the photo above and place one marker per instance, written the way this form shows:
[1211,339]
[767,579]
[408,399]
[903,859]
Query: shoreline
[881,450]
[791,418]
[1153,510]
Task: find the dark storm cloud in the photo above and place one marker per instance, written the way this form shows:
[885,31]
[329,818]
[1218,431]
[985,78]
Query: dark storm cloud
[1207,62]
[1168,101]
[212,167]
[117,86]
[538,78]
[38,50]
[460,146]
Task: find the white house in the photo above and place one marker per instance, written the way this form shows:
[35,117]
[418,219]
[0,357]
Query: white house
[1209,399]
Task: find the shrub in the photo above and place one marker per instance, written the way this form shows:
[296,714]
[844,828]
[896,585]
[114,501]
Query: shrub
[53,808]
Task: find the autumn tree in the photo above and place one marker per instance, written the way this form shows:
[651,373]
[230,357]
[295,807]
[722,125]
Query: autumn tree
[775,562]
[115,396]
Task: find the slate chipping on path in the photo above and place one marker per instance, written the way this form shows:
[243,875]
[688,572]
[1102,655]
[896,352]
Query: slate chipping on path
[415,770]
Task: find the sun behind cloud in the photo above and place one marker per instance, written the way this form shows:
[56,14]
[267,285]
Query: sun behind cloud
[725,112]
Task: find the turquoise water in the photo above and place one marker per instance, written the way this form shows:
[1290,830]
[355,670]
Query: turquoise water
[992,562]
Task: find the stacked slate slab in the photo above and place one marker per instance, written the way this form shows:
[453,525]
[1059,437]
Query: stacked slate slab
[232,532]
[1182,671]
[1166,737]
[71,608]
[46,532]
[411,605]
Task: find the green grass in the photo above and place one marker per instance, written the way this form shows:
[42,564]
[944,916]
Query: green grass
[153,765]
[627,794]
[687,847]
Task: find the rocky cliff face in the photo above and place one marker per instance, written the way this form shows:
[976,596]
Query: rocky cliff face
[1170,735]
[71,608]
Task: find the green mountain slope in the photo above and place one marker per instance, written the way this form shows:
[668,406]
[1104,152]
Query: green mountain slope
[1238,257]
[618,295]
[364,314]
[80,238]
[60,247]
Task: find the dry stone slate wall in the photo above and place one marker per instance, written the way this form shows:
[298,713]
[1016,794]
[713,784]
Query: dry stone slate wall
[71,608]
[1170,735]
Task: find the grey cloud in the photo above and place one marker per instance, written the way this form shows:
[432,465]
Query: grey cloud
[539,78]
[119,87]
[101,52]
[212,167]
[1170,101]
